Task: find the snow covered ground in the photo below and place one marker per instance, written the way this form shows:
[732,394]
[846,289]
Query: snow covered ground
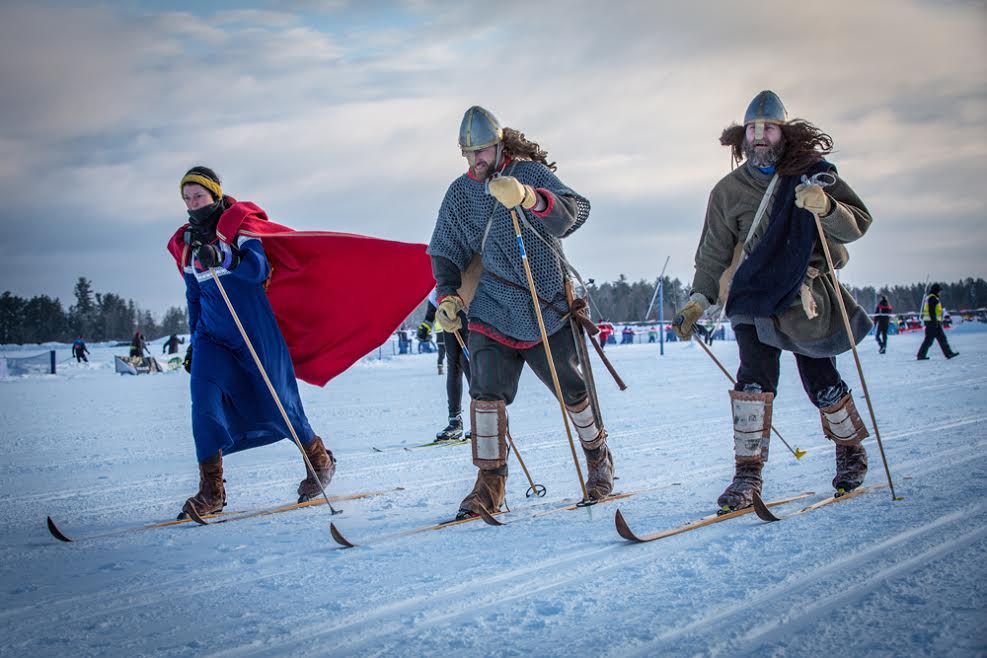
[99,451]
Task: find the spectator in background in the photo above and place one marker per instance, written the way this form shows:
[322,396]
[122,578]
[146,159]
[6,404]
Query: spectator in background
[606,331]
[138,346]
[426,329]
[404,342]
[932,317]
[171,345]
[79,350]
[882,318]
[627,335]
[710,331]
[652,334]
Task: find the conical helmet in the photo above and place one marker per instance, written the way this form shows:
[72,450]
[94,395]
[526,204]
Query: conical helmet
[766,108]
[479,129]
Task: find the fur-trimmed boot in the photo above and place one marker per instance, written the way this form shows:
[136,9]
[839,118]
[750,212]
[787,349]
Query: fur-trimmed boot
[599,472]
[842,425]
[488,492]
[599,459]
[851,467]
[325,467]
[489,421]
[751,435]
[746,481]
[211,497]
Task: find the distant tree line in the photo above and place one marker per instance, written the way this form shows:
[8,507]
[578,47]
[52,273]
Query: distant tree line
[96,316]
[623,301]
[106,316]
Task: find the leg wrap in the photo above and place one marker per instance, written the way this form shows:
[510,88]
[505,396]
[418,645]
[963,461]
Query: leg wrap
[842,424]
[489,419]
[751,424]
[590,436]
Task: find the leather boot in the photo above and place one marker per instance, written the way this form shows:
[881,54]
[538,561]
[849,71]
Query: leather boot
[325,467]
[751,439]
[851,467]
[599,472]
[488,492]
[211,497]
[746,480]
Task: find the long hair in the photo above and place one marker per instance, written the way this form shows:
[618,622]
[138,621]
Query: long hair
[805,145]
[517,147]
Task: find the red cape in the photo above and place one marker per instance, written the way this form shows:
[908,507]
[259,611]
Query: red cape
[336,296]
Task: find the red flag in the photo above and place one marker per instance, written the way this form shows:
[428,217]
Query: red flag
[319,279]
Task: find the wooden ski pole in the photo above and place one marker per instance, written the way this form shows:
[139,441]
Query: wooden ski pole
[538,490]
[825,180]
[548,353]
[270,387]
[798,452]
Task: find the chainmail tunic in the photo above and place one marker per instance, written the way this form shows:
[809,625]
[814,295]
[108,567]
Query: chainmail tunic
[459,233]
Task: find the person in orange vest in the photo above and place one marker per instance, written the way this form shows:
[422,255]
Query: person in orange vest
[932,317]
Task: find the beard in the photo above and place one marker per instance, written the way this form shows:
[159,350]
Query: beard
[763,157]
[481,169]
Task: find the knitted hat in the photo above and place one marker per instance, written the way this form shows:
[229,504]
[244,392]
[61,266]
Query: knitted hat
[935,289]
[205,177]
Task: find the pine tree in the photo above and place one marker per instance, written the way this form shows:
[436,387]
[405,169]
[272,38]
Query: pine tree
[82,315]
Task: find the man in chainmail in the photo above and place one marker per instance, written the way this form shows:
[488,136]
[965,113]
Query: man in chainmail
[760,225]
[506,171]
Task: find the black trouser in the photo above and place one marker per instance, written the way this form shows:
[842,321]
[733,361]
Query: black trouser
[458,366]
[497,367]
[934,332]
[760,365]
[881,333]
[80,357]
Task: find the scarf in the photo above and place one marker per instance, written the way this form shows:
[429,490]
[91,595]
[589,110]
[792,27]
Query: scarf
[770,279]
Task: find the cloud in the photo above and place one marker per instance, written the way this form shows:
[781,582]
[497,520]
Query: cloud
[344,117]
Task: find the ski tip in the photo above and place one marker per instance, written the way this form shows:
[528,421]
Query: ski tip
[375,449]
[623,529]
[488,518]
[762,510]
[339,538]
[56,533]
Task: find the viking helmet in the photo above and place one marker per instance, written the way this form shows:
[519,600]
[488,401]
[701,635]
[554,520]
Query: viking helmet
[765,108]
[479,130]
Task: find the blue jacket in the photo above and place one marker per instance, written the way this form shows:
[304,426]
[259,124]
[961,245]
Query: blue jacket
[232,408]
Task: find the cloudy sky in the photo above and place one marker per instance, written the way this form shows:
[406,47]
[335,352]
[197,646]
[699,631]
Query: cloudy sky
[343,116]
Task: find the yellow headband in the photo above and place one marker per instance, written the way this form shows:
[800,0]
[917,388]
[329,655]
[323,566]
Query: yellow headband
[204,181]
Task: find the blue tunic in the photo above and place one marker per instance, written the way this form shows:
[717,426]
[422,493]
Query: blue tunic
[232,408]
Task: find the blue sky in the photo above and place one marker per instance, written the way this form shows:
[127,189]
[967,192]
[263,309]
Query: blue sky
[343,116]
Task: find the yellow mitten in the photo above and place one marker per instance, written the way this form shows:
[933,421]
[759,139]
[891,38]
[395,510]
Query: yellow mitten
[447,313]
[688,315]
[812,198]
[511,193]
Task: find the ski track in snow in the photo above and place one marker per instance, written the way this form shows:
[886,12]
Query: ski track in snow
[100,452]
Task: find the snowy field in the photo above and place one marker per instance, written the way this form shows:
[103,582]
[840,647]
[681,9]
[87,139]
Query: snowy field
[866,577]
